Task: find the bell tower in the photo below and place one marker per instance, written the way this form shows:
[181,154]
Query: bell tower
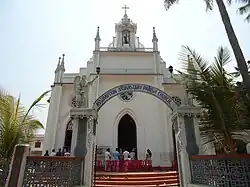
[125,32]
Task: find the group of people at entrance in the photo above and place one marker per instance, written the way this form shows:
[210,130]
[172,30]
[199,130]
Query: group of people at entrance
[122,160]
[121,155]
[60,152]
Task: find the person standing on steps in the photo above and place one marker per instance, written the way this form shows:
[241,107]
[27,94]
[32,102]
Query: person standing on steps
[116,155]
[126,160]
[59,152]
[148,160]
[121,160]
[132,154]
[107,159]
[46,153]
[53,153]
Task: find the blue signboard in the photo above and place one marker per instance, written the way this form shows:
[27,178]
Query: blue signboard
[135,87]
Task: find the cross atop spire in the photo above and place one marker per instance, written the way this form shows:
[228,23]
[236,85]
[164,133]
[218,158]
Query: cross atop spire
[125,7]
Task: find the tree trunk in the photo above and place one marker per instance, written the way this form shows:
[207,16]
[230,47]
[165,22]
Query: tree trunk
[241,62]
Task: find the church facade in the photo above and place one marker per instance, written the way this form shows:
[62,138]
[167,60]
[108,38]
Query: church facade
[138,118]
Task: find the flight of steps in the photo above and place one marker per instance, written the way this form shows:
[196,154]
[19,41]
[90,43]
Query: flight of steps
[137,179]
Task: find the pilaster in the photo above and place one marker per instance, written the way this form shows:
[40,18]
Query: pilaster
[185,124]
[53,117]
[83,139]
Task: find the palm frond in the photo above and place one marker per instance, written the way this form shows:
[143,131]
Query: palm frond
[209,4]
[169,3]
[35,103]
[223,113]
[245,9]
[17,125]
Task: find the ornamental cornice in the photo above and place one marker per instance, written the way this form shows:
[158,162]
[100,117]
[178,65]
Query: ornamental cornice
[122,27]
[80,113]
[185,110]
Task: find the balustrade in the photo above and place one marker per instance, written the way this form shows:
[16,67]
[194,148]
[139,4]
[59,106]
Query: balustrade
[221,170]
[124,49]
[49,171]
[124,165]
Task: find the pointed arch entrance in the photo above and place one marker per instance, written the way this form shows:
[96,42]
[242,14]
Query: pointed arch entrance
[127,133]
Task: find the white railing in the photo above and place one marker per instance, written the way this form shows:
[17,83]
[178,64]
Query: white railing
[116,49]
[127,71]
[171,80]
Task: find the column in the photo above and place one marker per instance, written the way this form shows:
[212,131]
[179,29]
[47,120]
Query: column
[82,139]
[186,129]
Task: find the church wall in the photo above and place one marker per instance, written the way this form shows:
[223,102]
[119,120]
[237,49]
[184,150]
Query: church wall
[142,62]
[174,90]
[64,117]
[150,115]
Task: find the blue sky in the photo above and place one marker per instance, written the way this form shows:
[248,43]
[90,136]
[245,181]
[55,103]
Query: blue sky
[34,33]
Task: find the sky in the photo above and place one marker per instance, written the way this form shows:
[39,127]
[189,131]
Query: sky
[34,33]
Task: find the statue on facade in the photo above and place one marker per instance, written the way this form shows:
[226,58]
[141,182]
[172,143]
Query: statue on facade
[126,37]
[81,90]
[188,98]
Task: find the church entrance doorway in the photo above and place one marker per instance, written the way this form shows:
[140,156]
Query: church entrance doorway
[68,136]
[127,135]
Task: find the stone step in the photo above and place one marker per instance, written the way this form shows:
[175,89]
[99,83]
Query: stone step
[142,182]
[138,179]
[137,174]
[161,185]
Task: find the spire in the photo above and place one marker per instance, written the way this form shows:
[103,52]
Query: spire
[62,63]
[97,40]
[97,35]
[58,65]
[191,68]
[60,69]
[154,36]
[155,41]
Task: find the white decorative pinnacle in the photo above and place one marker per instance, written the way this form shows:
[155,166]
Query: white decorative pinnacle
[62,67]
[154,36]
[97,38]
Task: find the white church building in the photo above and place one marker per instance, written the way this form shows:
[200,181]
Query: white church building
[135,119]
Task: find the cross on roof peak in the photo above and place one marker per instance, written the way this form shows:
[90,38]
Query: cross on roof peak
[125,7]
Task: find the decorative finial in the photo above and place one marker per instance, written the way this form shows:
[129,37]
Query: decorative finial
[59,61]
[125,7]
[98,28]
[58,65]
[63,55]
[97,38]
[154,36]
[62,62]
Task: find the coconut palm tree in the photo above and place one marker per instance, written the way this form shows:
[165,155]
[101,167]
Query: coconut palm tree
[224,114]
[17,125]
[241,62]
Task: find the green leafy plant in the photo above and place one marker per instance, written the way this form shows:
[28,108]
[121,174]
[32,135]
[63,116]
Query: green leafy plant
[17,125]
[225,114]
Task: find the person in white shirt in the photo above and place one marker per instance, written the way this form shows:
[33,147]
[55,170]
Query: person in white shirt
[53,153]
[67,153]
[126,155]
[132,154]
[107,158]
